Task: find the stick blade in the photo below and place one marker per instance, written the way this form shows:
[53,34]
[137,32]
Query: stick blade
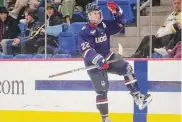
[120,51]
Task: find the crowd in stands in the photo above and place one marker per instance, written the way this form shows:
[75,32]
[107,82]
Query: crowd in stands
[22,24]
[22,28]
[167,41]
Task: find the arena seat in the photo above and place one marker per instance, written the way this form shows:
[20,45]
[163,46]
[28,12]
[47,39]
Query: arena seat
[6,57]
[22,29]
[36,56]
[67,42]
[79,17]
[76,27]
[54,30]
[62,56]
[107,15]
[23,56]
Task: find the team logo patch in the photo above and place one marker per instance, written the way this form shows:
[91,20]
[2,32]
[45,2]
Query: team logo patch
[103,83]
[92,32]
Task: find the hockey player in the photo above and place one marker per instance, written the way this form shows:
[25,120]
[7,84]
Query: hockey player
[94,45]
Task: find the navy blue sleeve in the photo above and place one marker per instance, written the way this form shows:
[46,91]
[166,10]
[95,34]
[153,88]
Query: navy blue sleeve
[86,48]
[112,27]
[116,25]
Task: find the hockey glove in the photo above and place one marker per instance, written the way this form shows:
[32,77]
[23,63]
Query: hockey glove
[112,5]
[115,9]
[100,62]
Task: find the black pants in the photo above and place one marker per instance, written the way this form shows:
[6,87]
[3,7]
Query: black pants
[144,47]
[175,39]
[31,46]
[155,2]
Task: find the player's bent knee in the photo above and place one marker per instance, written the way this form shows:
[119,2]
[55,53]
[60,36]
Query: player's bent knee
[129,76]
[129,69]
[130,79]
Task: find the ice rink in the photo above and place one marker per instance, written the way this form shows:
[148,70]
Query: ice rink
[30,96]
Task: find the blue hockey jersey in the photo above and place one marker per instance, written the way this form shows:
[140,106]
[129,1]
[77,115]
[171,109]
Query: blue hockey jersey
[95,39]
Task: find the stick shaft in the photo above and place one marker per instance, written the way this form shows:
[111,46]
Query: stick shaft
[82,68]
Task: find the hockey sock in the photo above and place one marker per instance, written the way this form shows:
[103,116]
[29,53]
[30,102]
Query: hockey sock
[102,104]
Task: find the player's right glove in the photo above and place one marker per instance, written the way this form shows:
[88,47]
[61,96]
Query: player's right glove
[100,62]
[112,5]
[114,8]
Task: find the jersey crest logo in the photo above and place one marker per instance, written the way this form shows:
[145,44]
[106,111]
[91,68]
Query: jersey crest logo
[92,32]
[101,39]
[103,83]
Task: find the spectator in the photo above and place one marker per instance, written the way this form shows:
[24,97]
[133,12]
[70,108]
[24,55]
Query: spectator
[73,10]
[8,26]
[175,39]
[79,14]
[54,18]
[31,29]
[39,4]
[164,34]
[83,3]
[170,53]
[176,51]
[67,9]
[19,8]
[10,4]
[172,21]
[176,28]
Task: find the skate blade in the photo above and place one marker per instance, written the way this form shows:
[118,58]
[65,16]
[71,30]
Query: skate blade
[146,103]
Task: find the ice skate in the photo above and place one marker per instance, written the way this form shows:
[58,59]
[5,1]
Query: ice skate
[106,119]
[141,100]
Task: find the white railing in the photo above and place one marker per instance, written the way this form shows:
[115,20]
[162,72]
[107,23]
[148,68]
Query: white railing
[45,20]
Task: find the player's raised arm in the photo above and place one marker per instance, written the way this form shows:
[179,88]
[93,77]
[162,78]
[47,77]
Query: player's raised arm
[117,24]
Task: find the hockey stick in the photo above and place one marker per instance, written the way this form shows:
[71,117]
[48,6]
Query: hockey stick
[82,68]
[37,32]
[120,52]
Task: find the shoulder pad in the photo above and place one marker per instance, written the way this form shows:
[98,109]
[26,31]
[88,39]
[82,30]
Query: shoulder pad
[92,32]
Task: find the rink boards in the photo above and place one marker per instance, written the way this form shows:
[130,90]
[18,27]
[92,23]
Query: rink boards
[28,95]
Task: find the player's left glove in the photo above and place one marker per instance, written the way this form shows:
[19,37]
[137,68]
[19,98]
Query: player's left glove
[100,62]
